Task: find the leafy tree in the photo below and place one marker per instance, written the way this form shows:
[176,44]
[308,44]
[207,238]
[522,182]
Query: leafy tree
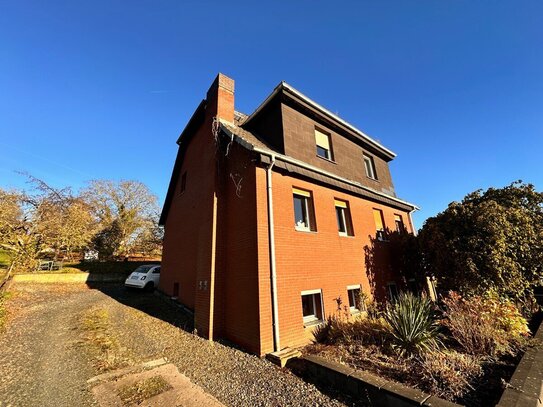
[126,210]
[18,234]
[492,240]
[78,226]
[107,241]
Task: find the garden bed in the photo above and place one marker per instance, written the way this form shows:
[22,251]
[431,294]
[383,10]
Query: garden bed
[483,387]
[464,352]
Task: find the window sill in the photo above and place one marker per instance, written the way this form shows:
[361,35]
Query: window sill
[326,159]
[311,324]
[304,230]
[373,179]
[346,235]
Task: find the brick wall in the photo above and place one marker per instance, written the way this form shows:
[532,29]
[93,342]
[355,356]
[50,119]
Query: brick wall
[313,260]
[299,141]
[305,260]
[237,313]
[188,234]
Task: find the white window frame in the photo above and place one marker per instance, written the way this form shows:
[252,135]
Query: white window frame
[343,207]
[305,196]
[313,318]
[328,155]
[369,166]
[350,288]
[344,221]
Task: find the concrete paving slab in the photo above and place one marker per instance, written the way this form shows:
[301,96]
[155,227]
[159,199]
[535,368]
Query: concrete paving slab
[183,392]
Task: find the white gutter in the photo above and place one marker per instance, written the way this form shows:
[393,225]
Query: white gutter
[328,174]
[322,109]
[273,269]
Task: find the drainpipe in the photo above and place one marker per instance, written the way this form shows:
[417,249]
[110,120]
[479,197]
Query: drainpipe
[273,270]
[212,274]
[411,221]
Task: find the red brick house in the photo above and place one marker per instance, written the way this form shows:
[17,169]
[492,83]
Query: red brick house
[267,218]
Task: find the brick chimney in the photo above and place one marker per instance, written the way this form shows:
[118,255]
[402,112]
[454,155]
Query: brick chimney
[220,98]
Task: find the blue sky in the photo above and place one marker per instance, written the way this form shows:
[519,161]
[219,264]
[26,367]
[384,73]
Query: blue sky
[102,89]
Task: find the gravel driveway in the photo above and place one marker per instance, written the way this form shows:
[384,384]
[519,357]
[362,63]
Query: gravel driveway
[43,363]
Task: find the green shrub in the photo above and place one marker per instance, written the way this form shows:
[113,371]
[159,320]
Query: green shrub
[485,325]
[413,324]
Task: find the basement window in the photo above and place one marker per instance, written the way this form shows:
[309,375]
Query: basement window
[324,147]
[369,165]
[343,215]
[304,217]
[312,307]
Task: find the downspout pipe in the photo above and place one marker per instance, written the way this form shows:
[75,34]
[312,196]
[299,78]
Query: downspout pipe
[273,269]
[411,221]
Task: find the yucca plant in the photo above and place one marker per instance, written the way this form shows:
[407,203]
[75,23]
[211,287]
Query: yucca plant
[413,324]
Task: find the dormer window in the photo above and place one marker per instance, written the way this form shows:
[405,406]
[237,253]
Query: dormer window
[324,147]
[369,165]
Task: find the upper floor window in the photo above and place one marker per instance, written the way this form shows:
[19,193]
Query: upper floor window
[369,165]
[303,210]
[343,215]
[324,147]
[398,221]
[379,224]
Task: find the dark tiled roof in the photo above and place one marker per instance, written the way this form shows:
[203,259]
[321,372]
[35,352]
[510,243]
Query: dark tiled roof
[247,136]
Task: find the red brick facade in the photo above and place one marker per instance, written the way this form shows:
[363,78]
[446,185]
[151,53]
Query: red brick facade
[217,228]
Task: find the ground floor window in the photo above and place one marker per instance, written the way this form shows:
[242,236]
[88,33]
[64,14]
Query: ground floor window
[354,294]
[312,306]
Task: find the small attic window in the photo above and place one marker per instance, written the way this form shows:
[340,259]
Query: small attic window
[324,146]
[369,165]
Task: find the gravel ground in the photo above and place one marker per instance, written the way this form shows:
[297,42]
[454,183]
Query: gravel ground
[41,363]
[45,366]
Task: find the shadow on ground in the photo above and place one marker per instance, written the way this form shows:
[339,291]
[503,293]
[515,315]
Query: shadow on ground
[157,306]
[150,303]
